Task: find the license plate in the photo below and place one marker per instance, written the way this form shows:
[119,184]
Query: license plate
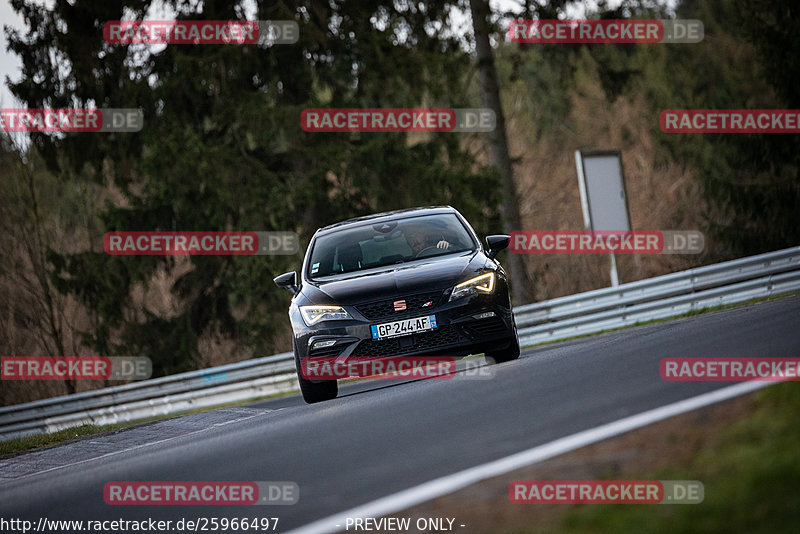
[404,327]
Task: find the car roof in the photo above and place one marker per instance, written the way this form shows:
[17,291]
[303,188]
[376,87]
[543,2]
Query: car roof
[378,217]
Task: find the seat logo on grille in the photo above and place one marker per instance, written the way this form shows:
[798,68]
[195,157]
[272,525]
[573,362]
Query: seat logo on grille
[429,303]
[399,305]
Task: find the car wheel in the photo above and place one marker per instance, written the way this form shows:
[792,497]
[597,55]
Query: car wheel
[315,392]
[506,355]
[511,352]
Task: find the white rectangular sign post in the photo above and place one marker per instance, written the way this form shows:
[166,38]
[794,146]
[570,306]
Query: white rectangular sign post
[603,199]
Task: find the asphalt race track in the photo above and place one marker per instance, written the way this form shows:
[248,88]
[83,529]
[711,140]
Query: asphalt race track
[377,439]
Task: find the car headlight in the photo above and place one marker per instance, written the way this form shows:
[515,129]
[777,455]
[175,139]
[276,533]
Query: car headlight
[314,314]
[474,286]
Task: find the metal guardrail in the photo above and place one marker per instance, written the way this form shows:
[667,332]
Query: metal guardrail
[583,313]
[659,297]
[167,395]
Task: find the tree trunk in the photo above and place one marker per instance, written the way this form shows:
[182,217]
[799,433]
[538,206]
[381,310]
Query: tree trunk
[490,94]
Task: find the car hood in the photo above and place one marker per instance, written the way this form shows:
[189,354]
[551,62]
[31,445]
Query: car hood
[397,281]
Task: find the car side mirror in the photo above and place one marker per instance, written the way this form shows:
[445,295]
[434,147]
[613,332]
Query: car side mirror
[496,243]
[287,281]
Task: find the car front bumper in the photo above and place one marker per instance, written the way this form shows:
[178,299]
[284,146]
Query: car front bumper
[469,325]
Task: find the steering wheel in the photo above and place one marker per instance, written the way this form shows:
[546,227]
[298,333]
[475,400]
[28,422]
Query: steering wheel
[421,252]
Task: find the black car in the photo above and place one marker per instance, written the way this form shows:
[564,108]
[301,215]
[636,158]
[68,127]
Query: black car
[401,283]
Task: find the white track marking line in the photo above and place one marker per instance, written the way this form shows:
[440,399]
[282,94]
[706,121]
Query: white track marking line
[450,483]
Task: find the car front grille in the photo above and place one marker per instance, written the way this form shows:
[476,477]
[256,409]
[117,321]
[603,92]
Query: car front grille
[433,340]
[415,306]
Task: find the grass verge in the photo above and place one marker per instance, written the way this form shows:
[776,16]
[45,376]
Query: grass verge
[751,477]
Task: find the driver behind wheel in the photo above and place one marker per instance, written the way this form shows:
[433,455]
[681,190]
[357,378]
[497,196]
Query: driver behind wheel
[418,241]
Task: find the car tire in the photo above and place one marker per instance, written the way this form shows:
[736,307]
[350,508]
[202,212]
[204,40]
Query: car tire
[506,355]
[512,350]
[315,392]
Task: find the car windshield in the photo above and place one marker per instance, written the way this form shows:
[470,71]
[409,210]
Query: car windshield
[387,243]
